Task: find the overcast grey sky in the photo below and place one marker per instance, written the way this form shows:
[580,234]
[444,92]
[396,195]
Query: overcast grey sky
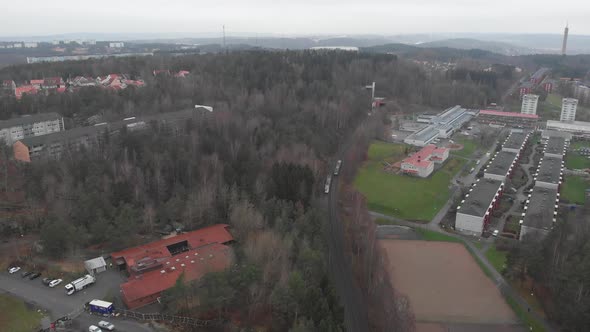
[42,17]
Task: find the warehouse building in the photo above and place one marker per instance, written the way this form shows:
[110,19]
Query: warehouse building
[540,213]
[422,162]
[549,173]
[508,119]
[443,125]
[501,166]
[156,266]
[556,147]
[15,129]
[515,142]
[474,211]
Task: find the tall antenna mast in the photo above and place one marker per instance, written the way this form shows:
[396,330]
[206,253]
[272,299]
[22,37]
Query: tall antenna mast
[224,47]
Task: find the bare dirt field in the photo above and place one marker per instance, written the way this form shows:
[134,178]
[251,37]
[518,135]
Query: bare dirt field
[445,284]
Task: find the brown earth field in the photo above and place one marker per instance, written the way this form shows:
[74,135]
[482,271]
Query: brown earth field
[447,289]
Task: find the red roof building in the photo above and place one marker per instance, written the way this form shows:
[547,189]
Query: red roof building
[422,162]
[182,73]
[155,267]
[36,83]
[28,89]
[512,119]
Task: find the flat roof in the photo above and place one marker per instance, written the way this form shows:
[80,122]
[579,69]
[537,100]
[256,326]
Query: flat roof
[515,140]
[480,197]
[539,213]
[424,134]
[508,114]
[555,145]
[550,170]
[30,119]
[501,163]
[576,126]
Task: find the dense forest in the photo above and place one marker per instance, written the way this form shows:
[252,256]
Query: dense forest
[257,162]
[560,268]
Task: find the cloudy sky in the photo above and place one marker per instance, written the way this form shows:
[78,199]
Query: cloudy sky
[293,17]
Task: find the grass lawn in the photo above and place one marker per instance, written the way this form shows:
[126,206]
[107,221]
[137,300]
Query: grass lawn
[576,161]
[497,258]
[435,236]
[403,196]
[574,189]
[524,316]
[469,147]
[579,144]
[15,317]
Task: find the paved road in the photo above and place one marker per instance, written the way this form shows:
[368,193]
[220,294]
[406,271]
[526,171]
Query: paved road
[58,304]
[355,308]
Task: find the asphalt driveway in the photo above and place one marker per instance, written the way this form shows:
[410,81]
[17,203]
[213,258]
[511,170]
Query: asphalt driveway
[58,304]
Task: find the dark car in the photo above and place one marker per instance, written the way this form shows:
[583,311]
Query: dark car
[34,275]
[46,281]
[25,274]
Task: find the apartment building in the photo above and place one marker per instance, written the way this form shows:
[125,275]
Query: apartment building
[15,129]
[529,104]
[568,109]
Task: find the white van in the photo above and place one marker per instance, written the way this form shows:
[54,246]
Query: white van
[93,328]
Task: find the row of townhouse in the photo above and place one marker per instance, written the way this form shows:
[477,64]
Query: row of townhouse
[15,129]
[541,206]
[475,210]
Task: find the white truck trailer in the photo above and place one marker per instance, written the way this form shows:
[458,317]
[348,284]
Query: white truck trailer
[79,284]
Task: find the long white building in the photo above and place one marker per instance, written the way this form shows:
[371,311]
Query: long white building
[15,129]
[568,109]
[529,104]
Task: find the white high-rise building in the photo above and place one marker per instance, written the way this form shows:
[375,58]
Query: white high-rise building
[568,109]
[529,104]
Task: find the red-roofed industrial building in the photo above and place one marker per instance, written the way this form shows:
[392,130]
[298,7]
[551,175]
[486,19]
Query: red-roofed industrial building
[155,267]
[510,119]
[422,162]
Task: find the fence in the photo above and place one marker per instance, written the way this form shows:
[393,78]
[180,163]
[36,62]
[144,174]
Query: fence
[178,320]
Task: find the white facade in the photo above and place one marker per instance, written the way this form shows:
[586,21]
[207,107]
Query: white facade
[469,224]
[18,132]
[30,45]
[419,171]
[116,45]
[529,104]
[568,109]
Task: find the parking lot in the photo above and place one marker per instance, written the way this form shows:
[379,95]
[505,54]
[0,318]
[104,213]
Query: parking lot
[58,304]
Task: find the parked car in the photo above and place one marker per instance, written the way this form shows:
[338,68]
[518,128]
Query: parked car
[26,274]
[55,282]
[496,233]
[94,328]
[46,281]
[34,275]
[106,325]
[14,269]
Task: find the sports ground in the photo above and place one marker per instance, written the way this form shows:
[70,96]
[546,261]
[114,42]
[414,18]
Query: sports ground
[447,289]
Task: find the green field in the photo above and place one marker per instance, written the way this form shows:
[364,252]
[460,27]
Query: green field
[436,236]
[15,317]
[576,161]
[574,189]
[579,144]
[403,196]
[497,258]
[469,147]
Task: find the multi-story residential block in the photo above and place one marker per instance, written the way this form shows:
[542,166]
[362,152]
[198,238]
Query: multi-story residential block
[474,211]
[529,104]
[15,129]
[568,109]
